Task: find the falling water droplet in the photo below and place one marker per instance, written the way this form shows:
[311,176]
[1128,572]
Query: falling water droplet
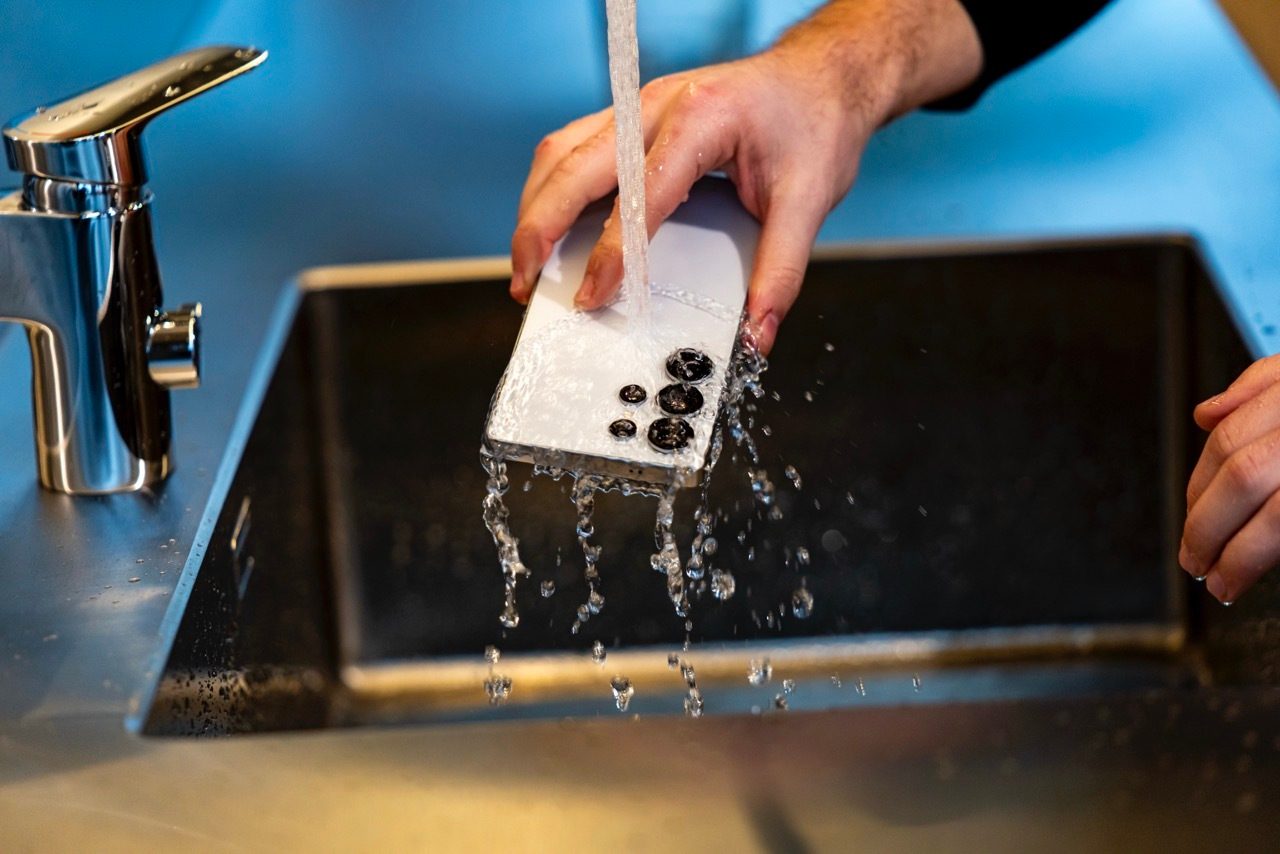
[802,603]
[722,584]
[693,703]
[510,617]
[793,476]
[597,653]
[498,689]
[548,588]
[492,654]
[622,692]
[759,671]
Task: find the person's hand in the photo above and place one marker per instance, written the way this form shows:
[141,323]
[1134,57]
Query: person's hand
[1232,533]
[788,126]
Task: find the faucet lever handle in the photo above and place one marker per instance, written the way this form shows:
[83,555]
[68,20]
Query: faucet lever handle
[96,136]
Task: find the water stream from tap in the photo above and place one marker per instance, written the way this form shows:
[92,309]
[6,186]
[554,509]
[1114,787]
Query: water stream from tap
[624,80]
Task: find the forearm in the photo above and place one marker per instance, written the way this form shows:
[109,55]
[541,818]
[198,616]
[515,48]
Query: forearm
[887,57]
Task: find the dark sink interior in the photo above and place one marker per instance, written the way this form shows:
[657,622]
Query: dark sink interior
[992,442]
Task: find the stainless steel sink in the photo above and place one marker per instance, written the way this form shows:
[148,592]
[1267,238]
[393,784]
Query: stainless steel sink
[992,438]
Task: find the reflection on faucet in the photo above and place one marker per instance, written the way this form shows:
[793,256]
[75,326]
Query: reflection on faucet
[78,271]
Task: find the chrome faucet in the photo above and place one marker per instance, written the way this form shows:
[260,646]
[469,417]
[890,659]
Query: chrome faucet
[78,271]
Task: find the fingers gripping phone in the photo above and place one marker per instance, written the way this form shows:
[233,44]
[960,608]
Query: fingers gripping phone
[598,393]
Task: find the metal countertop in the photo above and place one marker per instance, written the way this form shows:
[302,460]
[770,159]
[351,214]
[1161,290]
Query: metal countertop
[75,632]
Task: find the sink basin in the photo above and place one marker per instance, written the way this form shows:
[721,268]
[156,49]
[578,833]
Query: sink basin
[992,442]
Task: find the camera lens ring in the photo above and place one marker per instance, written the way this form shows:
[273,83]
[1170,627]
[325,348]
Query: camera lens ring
[689,365]
[680,399]
[670,434]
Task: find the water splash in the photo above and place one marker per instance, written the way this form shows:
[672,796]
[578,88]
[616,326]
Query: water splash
[623,691]
[759,672]
[498,688]
[793,476]
[723,584]
[801,603]
[667,559]
[743,387]
[583,496]
[693,703]
[497,520]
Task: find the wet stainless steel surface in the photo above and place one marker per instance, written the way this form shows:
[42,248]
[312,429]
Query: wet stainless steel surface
[1180,772]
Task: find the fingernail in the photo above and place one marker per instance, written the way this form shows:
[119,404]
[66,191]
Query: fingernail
[586,291]
[1217,587]
[766,330]
[517,285]
[1188,561]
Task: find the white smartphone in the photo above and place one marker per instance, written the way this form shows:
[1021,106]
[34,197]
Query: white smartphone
[596,392]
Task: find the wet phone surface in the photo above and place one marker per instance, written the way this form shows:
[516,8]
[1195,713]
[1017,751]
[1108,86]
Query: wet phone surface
[605,393]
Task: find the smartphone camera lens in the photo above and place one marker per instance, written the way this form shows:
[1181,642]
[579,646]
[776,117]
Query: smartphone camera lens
[670,434]
[623,428]
[689,365]
[633,394]
[680,399]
